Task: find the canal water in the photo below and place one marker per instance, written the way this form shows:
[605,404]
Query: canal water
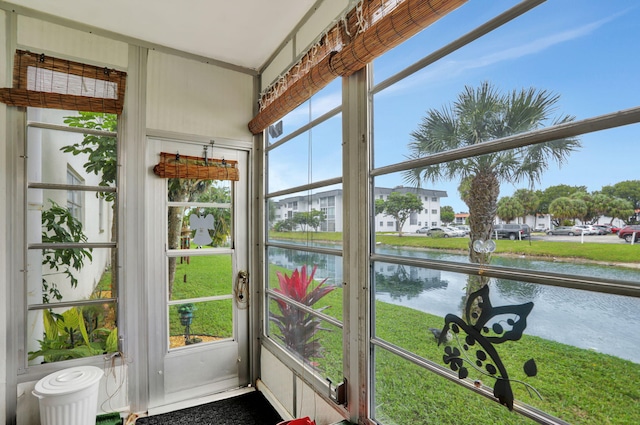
[601,322]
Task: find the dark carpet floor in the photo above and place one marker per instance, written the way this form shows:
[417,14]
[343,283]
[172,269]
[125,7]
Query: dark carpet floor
[246,409]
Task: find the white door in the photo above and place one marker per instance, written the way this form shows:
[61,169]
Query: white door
[198,293]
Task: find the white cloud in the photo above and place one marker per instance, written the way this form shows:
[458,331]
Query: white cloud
[447,69]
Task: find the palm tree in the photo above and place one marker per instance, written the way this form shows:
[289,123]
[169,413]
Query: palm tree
[479,115]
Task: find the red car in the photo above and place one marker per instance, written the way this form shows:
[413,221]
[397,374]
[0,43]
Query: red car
[627,233]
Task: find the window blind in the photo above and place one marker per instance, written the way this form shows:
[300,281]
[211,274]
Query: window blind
[370,29]
[47,82]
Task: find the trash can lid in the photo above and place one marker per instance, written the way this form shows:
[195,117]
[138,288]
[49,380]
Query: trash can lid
[68,381]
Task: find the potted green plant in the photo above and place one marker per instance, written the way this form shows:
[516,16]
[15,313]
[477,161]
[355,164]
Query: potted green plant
[298,328]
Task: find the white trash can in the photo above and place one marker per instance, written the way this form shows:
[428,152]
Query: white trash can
[69,396]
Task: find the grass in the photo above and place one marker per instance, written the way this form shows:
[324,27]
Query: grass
[603,252]
[577,385]
[204,276]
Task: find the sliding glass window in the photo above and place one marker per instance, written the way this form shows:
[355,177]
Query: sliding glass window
[504,262]
[304,234]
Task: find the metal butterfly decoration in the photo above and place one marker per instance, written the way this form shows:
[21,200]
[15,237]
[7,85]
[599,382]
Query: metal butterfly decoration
[480,340]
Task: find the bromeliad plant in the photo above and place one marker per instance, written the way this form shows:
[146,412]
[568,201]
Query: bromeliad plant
[297,327]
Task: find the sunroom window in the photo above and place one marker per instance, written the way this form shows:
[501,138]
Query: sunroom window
[467,328]
[71,189]
[304,236]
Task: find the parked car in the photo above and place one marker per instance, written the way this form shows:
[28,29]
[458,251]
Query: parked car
[586,229]
[602,229]
[445,231]
[564,230]
[423,229]
[457,231]
[512,231]
[466,229]
[627,233]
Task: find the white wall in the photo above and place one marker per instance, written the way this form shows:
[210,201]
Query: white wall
[190,97]
[290,395]
[41,36]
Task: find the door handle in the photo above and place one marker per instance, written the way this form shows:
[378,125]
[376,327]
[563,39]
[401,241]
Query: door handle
[241,290]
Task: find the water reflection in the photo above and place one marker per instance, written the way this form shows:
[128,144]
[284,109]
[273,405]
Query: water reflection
[329,266]
[578,318]
[406,282]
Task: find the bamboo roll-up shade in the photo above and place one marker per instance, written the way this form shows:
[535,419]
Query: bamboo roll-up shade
[173,165]
[48,82]
[369,30]
[406,20]
[297,92]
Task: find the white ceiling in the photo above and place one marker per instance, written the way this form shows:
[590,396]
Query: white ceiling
[244,33]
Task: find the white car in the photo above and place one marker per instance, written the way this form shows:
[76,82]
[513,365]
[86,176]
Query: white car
[586,229]
[466,229]
[457,231]
[445,231]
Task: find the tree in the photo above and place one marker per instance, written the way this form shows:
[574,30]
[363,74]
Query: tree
[620,208]
[59,226]
[286,225]
[400,206]
[529,201]
[553,192]
[567,208]
[179,190]
[102,152]
[379,206]
[628,190]
[313,218]
[447,215]
[509,208]
[479,115]
[597,205]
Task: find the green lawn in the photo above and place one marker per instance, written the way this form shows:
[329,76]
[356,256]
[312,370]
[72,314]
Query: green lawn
[204,276]
[613,253]
[579,386]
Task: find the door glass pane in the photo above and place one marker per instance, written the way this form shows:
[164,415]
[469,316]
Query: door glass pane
[199,214]
[200,265]
[202,276]
[200,322]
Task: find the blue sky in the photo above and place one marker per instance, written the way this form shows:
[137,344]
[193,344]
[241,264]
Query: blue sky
[587,52]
